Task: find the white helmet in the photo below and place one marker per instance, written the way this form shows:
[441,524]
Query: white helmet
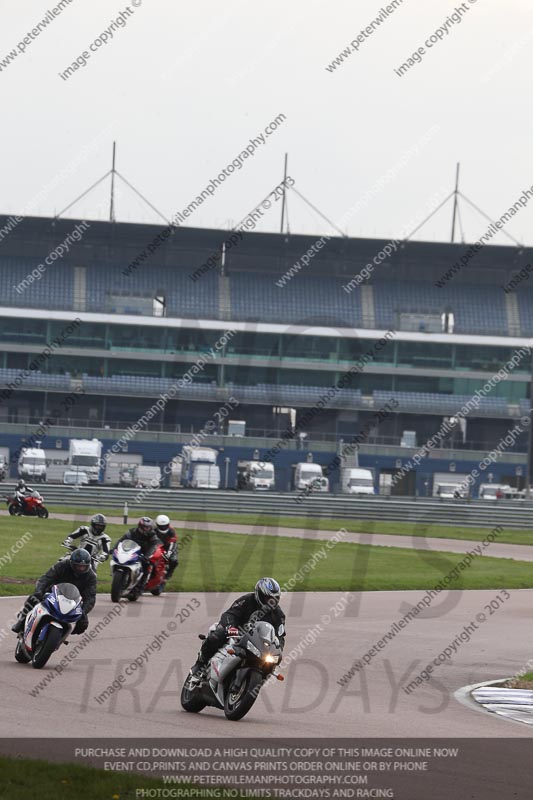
[162,523]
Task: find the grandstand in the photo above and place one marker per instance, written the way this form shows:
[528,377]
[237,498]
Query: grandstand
[144,328]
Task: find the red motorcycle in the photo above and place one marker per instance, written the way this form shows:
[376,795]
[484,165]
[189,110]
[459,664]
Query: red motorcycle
[33,506]
[157,571]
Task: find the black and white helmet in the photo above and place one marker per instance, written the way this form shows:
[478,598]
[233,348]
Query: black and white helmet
[98,523]
[267,593]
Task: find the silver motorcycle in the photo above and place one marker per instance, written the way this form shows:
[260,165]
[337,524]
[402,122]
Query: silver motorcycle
[234,676]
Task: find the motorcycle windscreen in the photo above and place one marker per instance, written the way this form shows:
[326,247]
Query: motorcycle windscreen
[67,600]
[265,631]
[126,551]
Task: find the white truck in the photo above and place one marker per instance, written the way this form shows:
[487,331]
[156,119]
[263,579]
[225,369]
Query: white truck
[205,476]
[75,477]
[32,464]
[199,467]
[450,486]
[175,470]
[259,476]
[85,455]
[357,481]
[4,463]
[146,477]
[497,491]
[308,475]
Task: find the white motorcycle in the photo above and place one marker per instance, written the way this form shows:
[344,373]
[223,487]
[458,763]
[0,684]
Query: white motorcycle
[48,624]
[126,569]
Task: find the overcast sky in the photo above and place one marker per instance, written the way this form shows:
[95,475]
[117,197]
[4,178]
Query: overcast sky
[183,87]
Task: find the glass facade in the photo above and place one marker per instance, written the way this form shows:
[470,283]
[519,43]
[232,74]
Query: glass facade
[121,346]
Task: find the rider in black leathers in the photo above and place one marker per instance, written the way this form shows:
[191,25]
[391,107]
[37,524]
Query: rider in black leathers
[261,605]
[76,570]
[145,536]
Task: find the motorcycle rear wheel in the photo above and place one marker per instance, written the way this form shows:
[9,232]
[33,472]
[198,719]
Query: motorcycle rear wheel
[238,704]
[189,699]
[12,509]
[43,650]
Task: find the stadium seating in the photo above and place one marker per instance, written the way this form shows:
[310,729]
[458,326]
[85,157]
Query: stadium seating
[184,297]
[443,403]
[476,309]
[34,380]
[256,297]
[285,394]
[301,301]
[525,308]
[53,289]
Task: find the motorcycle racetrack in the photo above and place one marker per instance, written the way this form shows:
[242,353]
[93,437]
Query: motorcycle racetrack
[126,680]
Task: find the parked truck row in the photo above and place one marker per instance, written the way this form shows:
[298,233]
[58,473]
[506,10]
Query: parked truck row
[196,467]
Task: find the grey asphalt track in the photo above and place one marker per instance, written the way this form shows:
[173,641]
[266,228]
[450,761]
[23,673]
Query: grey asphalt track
[309,702]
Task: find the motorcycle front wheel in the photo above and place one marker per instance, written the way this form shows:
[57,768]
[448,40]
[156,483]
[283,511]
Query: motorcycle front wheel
[117,586]
[240,699]
[44,649]
[190,700]
[42,512]
[21,654]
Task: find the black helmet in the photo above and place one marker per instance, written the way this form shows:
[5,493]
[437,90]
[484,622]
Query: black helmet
[21,484]
[98,523]
[80,561]
[267,593]
[145,526]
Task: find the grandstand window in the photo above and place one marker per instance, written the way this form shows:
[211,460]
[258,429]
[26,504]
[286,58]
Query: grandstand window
[87,335]
[25,331]
[423,383]
[250,376]
[175,370]
[59,364]
[182,340]
[368,383]
[425,354]
[254,344]
[313,347]
[513,391]
[488,359]
[133,337]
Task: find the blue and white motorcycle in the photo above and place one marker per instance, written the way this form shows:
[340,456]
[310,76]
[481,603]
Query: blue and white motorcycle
[48,624]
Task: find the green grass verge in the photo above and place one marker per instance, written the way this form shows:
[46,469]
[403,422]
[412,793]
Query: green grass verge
[26,779]
[216,561]
[429,530]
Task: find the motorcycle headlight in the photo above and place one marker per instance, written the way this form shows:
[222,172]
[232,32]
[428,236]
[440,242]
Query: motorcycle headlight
[253,649]
[269,659]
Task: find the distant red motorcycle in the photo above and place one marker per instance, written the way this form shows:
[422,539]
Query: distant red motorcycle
[33,506]
[158,567]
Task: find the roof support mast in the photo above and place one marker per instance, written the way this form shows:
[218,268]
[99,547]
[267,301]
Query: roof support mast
[282,226]
[455,199]
[112,200]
